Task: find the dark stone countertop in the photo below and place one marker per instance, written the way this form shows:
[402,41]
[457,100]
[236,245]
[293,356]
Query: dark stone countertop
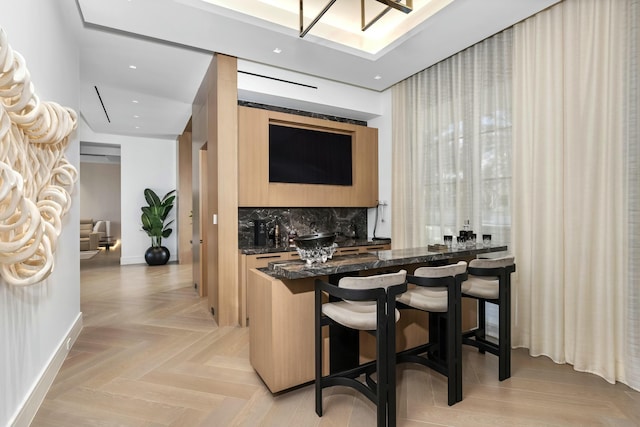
[346,243]
[295,269]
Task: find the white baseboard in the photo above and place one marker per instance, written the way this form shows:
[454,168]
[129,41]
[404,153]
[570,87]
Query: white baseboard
[132,260]
[140,260]
[34,400]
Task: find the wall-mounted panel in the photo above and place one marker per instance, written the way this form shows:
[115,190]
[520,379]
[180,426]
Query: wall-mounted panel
[255,189]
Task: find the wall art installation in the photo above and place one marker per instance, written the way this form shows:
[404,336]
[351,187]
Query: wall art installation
[36,180]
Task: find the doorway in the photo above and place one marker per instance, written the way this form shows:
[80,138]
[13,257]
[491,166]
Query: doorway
[99,182]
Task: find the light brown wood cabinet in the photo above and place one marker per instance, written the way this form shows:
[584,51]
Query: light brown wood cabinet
[247,262]
[281,343]
[253,162]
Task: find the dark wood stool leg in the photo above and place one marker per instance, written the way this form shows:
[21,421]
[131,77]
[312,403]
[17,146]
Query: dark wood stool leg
[391,371]
[482,322]
[504,330]
[458,346]
[318,355]
[382,367]
[344,351]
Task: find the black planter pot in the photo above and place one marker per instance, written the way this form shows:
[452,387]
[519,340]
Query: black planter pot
[158,255]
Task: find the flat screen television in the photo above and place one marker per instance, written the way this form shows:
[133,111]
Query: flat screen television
[306,156]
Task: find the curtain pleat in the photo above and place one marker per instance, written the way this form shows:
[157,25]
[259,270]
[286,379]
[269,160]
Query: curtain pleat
[632,137]
[570,219]
[594,182]
[537,238]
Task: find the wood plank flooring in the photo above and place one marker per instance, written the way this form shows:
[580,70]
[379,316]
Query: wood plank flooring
[151,355]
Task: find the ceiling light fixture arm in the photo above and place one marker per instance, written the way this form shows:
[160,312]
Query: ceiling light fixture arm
[405,7]
[365,25]
[304,31]
[398,5]
[391,4]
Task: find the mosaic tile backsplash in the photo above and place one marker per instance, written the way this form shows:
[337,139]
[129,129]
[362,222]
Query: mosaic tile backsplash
[348,222]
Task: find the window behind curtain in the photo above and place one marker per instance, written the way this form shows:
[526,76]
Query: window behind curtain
[452,146]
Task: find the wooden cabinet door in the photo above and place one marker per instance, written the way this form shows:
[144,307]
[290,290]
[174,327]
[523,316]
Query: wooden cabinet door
[247,262]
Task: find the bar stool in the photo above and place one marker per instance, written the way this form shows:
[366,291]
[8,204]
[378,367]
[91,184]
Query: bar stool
[436,290]
[490,281]
[365,304]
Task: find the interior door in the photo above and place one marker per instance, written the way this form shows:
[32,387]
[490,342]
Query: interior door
[203,223]
[196,238]
[210,223]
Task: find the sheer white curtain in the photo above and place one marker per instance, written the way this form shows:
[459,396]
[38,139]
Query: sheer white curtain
[452,147]
[632,317]
[571,234]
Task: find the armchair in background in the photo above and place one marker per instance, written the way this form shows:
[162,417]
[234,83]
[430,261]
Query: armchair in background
[90,234]
[100,227]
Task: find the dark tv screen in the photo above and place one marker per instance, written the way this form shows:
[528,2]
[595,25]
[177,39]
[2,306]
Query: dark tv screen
[305,156]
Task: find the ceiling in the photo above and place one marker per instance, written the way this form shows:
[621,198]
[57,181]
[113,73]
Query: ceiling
[171,42]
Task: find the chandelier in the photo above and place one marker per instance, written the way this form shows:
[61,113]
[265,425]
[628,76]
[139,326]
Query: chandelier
[406,7]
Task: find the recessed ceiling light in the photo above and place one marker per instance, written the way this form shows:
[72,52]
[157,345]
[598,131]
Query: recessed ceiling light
[135,101]
[378,77]
[133,67]
[135,116]
[277,50]
[137,127]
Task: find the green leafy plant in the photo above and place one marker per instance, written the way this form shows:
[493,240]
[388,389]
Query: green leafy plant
[155,214]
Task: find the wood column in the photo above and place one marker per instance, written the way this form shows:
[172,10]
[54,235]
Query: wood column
[220,89]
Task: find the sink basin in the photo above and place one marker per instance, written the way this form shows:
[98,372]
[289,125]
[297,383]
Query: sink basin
[316,240]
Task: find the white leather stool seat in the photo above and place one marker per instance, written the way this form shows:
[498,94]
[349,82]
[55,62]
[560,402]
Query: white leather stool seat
[433,299]
[481,287]
[354,316]
[486,287]
[359,303]
[361,315]
[489,280]
[436,291]
[426,299]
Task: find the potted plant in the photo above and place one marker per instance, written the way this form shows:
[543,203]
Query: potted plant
[153,223]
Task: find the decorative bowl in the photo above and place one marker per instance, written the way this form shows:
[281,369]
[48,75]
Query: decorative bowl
[316,240]
[317,247]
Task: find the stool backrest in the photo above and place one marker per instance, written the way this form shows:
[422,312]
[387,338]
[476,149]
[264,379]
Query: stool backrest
[485,268]
[372,282]
[492,262]
[442,271]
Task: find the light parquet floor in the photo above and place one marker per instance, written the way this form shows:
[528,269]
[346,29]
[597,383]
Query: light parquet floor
[151,355]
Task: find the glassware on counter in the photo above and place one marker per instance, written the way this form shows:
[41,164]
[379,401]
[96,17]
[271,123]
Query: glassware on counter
[448,240]
[318,254]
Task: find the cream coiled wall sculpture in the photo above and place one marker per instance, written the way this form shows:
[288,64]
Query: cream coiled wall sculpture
[36,180]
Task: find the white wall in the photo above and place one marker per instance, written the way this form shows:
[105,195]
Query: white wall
[35,321]
[385,127]
[144,163]
[324,96]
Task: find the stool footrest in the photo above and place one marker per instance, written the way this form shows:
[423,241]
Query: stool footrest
[366,368]
[476,339]
[417,355]
[352,383]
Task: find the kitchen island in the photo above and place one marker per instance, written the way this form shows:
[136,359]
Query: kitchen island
[281,309]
